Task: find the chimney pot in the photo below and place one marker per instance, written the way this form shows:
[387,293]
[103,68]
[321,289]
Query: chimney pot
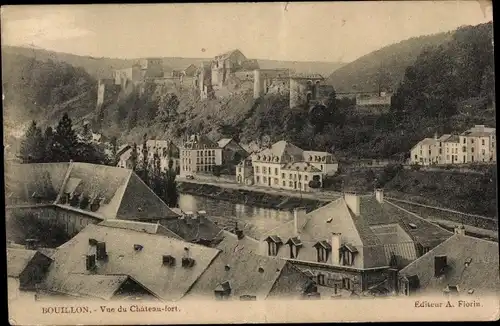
[299,219]
[336,243]
[460,229]
[353,202]
[379,195]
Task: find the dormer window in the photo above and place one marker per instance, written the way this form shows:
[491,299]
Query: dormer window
[295,244]
[347,254]
[223,291]
[273,244]
[323,250]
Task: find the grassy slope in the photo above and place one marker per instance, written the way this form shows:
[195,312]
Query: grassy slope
[363,73]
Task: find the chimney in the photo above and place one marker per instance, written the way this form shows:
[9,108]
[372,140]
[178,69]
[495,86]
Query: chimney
[90,262]
[392,280]
[101,251]
[460,229]
[435,135]
[352,201]
[186,253]
[439,265]
[31,244]
[336,243]
[299,219]
[379,195]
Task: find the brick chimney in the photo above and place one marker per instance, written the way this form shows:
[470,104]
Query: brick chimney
[299,219]
[336,243]
[352,200]
[379,195]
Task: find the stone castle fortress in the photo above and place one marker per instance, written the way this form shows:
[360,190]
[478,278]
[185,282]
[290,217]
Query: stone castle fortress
[227,74]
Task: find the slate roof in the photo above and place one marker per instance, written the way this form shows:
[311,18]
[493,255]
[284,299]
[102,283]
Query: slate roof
[201,142]
[282,150]
[481,275]
[17,260]
[424,232]
[122,192]
[223,142]
[152,228]
[247,273]
[192,230]
[30,184]
[469,133]
[227,54]
[376,249]
[145,266]
[452,139]
[89,285]
[302,166]
[311,155]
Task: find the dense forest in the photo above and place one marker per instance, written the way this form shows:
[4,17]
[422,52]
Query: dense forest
[39,90]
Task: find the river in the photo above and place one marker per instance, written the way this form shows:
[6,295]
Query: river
[261,219]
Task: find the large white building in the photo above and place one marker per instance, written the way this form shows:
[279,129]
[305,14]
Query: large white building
[199,155]
[286,166]
[476,144]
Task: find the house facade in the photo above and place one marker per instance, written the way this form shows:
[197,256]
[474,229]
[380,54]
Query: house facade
[199,155]
[353,243]
[286,166]
[477,144]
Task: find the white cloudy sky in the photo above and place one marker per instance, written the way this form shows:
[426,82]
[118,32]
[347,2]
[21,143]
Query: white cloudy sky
[333,31]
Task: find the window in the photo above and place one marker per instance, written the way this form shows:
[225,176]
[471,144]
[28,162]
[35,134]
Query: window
[483,152]
[201,153]
[416,156]
[239,170]
[440,151]
[347,258]
[321,279]
[347,283]
[282,176]
[256,169]
[472,158]
[464,149]
[472,149]
[272,248]
[276,181]
[276,171]
[429,152]
[284,184]
[322,255]
[482,142]
[290,184]
[472,141]
[465,141]
[257,179]
[264,170]
[305,177]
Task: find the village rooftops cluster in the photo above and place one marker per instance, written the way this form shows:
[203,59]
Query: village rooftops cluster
[110,263]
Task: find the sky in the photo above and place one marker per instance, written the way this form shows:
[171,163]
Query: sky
[323,31]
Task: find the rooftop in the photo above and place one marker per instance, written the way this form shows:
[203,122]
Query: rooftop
[17,260]
[280,151]
[471,264]
[110,192]
[136,254]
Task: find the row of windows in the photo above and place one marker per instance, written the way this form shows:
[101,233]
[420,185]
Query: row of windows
[322,254]
[202,168]
[206,152]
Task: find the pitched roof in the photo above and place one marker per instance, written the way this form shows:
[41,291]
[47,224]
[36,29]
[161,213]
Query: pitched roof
[17,260]
[223,142]
[379,232]
[145,266]
[452,139]
[152,228]
[227,54]
[201,142]
[191,230]
[477,133]
[245,272]
[424,232]
[300,166]
[481,275]
[444,137]
[306,76]
[324,157]
[30,184]
[279,152]
[89,285]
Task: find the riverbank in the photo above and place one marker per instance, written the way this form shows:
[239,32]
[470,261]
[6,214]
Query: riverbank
[250,197]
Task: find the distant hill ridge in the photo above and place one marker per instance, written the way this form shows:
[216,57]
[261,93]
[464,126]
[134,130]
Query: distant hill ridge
[384,67]
[103,67]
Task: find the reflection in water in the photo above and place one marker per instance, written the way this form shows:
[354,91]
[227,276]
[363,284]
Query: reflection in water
[262,218]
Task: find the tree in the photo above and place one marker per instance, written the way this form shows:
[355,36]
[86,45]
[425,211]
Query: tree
[134,157]
[49,144]
[171,196]
[145,159]
[114,149]
[32,146]
[65,141]
[216,170]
